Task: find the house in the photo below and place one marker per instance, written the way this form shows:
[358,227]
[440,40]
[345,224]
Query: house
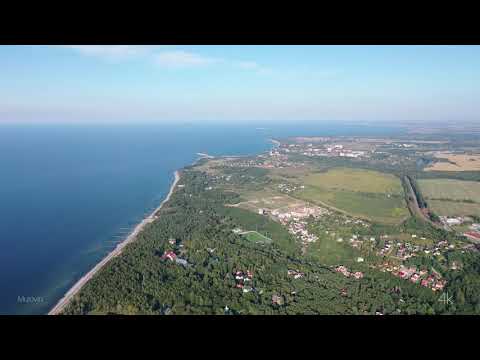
[277,300]
[473,235]
[414,278]
[358,275]
[454,221]
[439,285]
[170,255]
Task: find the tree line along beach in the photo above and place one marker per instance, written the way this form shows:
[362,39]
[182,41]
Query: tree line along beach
[75,289]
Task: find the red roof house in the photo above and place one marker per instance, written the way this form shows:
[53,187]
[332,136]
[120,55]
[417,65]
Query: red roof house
[170,255]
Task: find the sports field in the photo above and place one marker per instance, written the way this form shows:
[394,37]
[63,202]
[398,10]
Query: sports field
[368,194]
[257,237]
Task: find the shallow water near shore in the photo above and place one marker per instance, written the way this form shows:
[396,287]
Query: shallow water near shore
[69,194]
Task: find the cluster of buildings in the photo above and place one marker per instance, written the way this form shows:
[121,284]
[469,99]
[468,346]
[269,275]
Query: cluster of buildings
[289,188]
[298,212]
[356,242]
[243,279]
[403,251]
[406,250]
[272,160]
[244,163]
[331,150]
[296,274]
[430,280]
[452,221]
[299,229]
[345,272]
[474,229]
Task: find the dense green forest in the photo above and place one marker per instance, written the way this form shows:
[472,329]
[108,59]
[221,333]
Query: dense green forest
[197,226]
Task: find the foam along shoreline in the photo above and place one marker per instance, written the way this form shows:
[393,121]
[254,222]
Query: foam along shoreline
[205,155]
[65,300]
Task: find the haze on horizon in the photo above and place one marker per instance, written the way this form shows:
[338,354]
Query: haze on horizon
[188,84]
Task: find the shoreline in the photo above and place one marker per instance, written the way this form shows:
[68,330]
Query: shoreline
[65,300]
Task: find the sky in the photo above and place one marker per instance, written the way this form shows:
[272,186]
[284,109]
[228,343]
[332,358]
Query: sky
[171,84]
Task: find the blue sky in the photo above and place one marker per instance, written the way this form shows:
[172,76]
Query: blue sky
[147,84]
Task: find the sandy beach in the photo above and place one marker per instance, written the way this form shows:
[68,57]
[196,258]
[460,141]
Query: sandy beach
[65,300]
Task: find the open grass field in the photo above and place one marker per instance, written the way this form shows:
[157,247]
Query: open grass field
[356,180]
[250,221]
[456,162]
[290,174]
[450,189]
[266,199]
[453,208]
[373,207]
[257,237]
[367,194]
[330,252]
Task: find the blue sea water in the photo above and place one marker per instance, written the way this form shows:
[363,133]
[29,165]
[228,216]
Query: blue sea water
[69,193]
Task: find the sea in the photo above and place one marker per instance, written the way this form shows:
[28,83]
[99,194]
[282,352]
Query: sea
[70,193]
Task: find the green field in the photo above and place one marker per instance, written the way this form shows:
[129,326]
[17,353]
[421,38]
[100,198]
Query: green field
[357,180]
[248,220]
[368,194]
[453,208]
[330,252]
[257,237]
[450,189]
[438,192]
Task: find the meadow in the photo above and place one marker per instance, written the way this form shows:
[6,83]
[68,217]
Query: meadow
[454,208]
[329,251]
[363,193]
[267,199]
[450,189]
[358,180]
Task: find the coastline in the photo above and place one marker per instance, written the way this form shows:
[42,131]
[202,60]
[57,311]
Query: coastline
[65,300]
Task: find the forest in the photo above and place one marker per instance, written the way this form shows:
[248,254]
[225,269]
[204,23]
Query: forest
[197,227]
